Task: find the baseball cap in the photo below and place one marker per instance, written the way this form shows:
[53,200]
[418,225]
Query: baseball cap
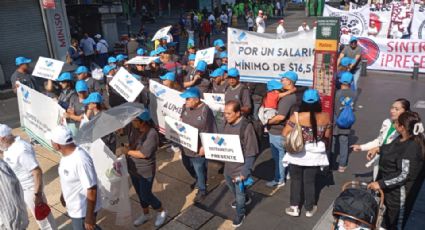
[5,130]
[260,12]
[224,67]
[281,21]
[233,72]
[61,135]
[121,57]
[274,85]
[112,60]
[353,39]
[192,57]
[171,76]
[311,96]
[223,54]
[346,61]
[81,86]
[98,36]
[346,78]
[201,66]
[190,43]
[22,60]
[81,69]
[65,76]
[108,69]
[217,72]
[219,43]
[191,92]
[140,52]
[157,61]
[160,50]
[145,116]
[153,53]
[93,98]
[291,75]
[41,211]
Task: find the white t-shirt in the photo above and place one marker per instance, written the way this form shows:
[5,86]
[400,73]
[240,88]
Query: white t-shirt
[345,39]
[261,25]
[20,157]
[373,31]
[77,174]
[278,5]
[211,18]
[102,46]
[224,18]
[250,22]
[301,28]
[280,31]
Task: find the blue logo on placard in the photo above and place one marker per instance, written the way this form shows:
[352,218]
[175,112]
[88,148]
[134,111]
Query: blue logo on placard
[158,91]
[49,63]
[219,141]
[217,98]
[25,95]
[180,127]
[129,79]
[240,37]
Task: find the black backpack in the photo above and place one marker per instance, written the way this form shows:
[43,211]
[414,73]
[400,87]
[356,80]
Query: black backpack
[357,203]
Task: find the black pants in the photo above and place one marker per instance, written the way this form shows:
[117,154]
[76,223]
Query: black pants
[392,216]
[303,183]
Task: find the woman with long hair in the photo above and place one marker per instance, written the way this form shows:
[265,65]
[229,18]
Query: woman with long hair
[401,169]
[304,166]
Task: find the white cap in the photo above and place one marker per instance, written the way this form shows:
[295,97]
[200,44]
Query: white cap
[98,36]
[5,130]
[260,12]
[61,135]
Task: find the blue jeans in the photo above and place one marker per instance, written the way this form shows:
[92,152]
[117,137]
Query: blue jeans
[278,151]
[78,223]
[343,149]
[356,77]
[197,168]
[239,193]
[143,187]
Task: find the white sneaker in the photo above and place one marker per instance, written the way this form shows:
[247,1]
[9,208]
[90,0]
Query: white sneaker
[141,220]
[273,183]
[293,211]
[160,218]
[312,212]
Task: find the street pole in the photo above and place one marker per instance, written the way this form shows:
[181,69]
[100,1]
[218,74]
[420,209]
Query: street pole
[46,29]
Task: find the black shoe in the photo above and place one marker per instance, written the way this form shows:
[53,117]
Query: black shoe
[247,202]
[200,196]
[237,222]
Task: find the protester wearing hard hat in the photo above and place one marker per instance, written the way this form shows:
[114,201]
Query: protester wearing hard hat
[83,73]
[22,74]
[353,51]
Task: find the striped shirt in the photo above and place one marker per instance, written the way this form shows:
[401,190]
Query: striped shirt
[14,213]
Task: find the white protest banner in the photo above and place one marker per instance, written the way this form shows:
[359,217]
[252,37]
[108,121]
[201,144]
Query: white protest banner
[393,54]
[38,113]
[164,102]
[262,57]
[222,147]
[47,68]
[206,55]
[112,178]
[181,133]
[382,19]
[418,22]
[126,85]
[141,60]
[161,33]
[401,17]
[356,20]
[215,101]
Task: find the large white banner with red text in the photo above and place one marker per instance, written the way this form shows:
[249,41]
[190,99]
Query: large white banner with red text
[393,54]
[418,22]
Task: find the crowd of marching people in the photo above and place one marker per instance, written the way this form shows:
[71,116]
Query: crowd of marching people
[298,132]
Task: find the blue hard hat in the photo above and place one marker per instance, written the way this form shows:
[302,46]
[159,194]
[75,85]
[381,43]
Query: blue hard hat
[153,53]
[346,78]
[223,54]
[353,39]
[121,57]
[201,66]
[22,60]
[311,96]
[233,72]
[65,76]
[81,86]
[145,116]
[274,85]
[191,92]
[224,67]
[219,43]
[160,50]
[112,60]
[192,57]
[346,61]
[291,75]
[168,76]
[93,98]
[140,52]
[81,69]
[108,69]
[217,72]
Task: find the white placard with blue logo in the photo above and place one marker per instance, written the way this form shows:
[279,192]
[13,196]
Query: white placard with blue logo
[161,33]
[215,101]
[38,113]
[47,68]
[222,147]
[262,57]
[164,102]
[206,55]
[126,85]
[181,133]
[141,60]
